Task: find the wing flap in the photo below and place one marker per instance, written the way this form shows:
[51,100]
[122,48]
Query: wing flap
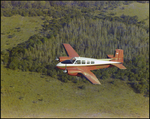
[120,66]
[70,51]
[91,77]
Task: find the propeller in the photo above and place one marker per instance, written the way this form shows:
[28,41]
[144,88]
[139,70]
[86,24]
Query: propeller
[57,59]
[65,71]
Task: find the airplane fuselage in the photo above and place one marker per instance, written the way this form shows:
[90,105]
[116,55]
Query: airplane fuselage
[89,63]
[75,65]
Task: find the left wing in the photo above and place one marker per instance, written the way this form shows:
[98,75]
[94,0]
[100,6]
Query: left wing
[70,51]
[90,76]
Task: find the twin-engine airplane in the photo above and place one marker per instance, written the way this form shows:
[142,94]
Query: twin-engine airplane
[76,66]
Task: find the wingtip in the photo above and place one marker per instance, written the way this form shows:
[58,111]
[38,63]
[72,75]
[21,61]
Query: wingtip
[98,83]
[64,43]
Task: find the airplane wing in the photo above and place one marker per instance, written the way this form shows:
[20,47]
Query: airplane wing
[120,66]
[70,51]
[90,76]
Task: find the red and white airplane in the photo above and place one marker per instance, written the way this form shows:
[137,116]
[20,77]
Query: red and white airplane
[75,65]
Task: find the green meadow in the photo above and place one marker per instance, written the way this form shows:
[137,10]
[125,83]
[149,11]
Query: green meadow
[26,94]
[18,29]
[141,10]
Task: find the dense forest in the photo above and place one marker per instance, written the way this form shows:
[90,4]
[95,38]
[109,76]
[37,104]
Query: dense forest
[89,34]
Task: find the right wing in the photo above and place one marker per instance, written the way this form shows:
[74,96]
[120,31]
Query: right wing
[70,51]
[90,76]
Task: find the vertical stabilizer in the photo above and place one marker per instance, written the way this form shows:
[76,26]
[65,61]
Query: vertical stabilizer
[118,56]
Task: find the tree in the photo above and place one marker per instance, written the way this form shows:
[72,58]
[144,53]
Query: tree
[24,12]
[64,79]
[32,13]
[7,12]
[6,4]
[28,5]
[47,5]
[13,64]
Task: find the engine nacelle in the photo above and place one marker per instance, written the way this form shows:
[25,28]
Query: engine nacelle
[73,72]
[64,58]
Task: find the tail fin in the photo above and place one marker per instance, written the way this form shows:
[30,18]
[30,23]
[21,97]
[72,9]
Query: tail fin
[118,56]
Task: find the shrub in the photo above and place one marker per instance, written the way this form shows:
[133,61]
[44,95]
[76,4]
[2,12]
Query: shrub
[44,70]
[64,79]
[82,87]
[74,80]
[13,65]
[44,40]
[11,36]
[125,78]
[39,69]
[52,73]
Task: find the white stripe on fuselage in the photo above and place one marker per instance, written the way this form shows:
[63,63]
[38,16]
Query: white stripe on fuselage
[96,62]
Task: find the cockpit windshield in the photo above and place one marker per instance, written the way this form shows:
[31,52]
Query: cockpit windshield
[71,61]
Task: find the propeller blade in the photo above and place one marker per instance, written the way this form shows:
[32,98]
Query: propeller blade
[65,71]
[57,58]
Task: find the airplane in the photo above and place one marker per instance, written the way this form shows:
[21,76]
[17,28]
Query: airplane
[75,65]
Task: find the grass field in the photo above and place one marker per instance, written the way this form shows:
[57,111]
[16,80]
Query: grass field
[26,94]
[139,9]
[18,29]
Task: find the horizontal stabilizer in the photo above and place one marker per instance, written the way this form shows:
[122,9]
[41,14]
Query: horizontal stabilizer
[110,56]
[120,66]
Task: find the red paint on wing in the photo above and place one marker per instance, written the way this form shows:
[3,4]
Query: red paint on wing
[70,51]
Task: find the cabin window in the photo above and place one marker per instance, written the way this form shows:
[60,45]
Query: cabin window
[83,61]
[88,62]
[78,62]
[92,62]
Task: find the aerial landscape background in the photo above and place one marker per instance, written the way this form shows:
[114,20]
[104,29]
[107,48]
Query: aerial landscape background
[32,33]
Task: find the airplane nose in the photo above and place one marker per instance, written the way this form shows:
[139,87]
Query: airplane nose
[58,65]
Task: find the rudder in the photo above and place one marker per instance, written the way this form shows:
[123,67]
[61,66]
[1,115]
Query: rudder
[118,56]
